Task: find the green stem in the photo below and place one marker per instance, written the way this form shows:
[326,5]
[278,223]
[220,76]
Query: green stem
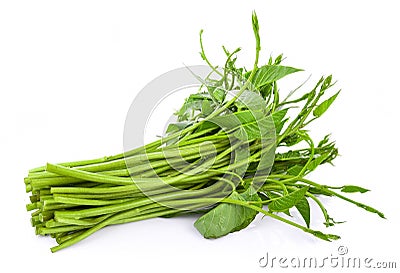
[326,190]
[203,55]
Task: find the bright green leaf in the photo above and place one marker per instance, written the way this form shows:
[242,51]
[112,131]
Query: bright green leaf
[324,141]
[351,188]
[294,170]
[248,125]
[320,109]
[227,218]
[317,161]
[247,100]
[177,126]
[249,195]
[279,121]
[206,107]
[289,155]
[323,236]
[270,73]
[304,208]
[293,139]
[287,201]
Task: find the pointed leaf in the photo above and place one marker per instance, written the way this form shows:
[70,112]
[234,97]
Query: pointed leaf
[324,141]
[289,155]
[226,218]
[265,90]
[278,118]
[219,94]
[249,195]
[248,125]
[177,126]
[287,201]
[317,161]
[206,108]
[253,128]
[193,104]
[326,237]
[304,208]
[248,99]
[371,209]
[287,212]
[270,73]
[351,188]
[320,109]
[293,139]
[295,170]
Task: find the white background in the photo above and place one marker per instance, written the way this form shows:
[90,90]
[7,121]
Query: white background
[70,69]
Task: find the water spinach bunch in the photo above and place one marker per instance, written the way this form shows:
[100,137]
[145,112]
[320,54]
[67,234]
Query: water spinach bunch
[235,151]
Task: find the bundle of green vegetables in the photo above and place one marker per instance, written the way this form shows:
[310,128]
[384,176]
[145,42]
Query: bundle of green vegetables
[234,152]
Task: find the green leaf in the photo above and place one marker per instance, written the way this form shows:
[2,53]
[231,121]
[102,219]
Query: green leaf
[247,100]
[304,208]
[295,170]
[289,155]
[351,188]
[199,96]
[219,94]
[253,128]
[278,127]
[249,195]
[206,125]
[188,109]
[216,91]
[248,125]
[319,191]
[327,83]
[196,104]
[304,97]
[287,201]
[323,236]
[287,212]
[324,141]
[278,59]
[320,109]
[270,73]
[177,126]
[371,209]
[265,90]
[317,161]
[206,107]
[293,139]
[279,121]
[273,195]
[226,218]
